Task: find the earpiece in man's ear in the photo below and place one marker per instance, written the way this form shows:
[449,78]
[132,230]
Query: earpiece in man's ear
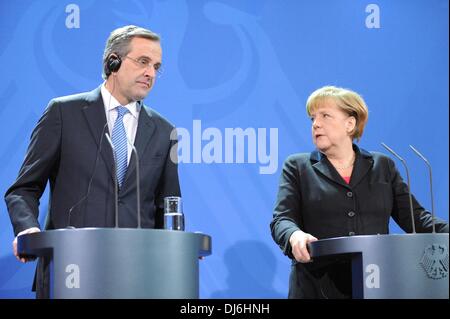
[112,64]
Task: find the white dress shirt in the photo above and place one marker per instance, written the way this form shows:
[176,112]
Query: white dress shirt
[130,119]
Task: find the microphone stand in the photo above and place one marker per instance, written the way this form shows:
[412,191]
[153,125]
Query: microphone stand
[116,185]
[409,184]
[99,149]
[431,185]
[138,187]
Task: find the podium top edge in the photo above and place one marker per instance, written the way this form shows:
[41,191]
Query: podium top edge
[106,230]
[378,238]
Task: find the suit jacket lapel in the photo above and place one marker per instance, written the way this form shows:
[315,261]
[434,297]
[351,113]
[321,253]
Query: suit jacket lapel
[363,164]
[145,130]
[94,112]
[321,164]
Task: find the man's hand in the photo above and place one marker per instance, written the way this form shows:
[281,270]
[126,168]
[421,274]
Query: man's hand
[298,241]
[14,243]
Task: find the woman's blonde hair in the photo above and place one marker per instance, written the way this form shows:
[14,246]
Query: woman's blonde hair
[348,101]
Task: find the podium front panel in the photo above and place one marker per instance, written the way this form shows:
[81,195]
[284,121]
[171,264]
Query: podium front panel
[120,263]
[393,266]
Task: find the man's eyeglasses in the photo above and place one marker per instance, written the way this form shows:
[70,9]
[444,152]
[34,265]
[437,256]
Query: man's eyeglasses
[145,63]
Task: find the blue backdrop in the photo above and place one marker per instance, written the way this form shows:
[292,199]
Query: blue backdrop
[231,65]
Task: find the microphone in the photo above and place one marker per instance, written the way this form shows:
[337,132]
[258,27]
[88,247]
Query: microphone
[90,180]
[431,185]
[409,184]
[116,185]
[138,189]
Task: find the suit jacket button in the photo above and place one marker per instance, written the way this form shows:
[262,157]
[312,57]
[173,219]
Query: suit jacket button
[351,214]
[352,233]
[349,194]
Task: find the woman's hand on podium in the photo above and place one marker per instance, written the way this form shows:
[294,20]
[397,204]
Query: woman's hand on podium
[298,241]
[14,243]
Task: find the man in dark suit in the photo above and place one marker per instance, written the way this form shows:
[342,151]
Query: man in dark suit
[69,149]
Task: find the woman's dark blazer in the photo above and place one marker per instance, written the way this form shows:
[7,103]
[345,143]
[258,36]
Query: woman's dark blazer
[314,198]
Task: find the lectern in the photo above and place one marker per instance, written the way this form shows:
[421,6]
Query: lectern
[120,262]
[392,266]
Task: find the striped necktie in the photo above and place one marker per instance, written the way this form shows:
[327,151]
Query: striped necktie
[119,139]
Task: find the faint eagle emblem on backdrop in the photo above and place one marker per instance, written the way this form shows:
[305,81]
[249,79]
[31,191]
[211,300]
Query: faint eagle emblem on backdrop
[435,261]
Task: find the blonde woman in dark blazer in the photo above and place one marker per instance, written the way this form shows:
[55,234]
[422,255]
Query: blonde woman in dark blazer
[337,190]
